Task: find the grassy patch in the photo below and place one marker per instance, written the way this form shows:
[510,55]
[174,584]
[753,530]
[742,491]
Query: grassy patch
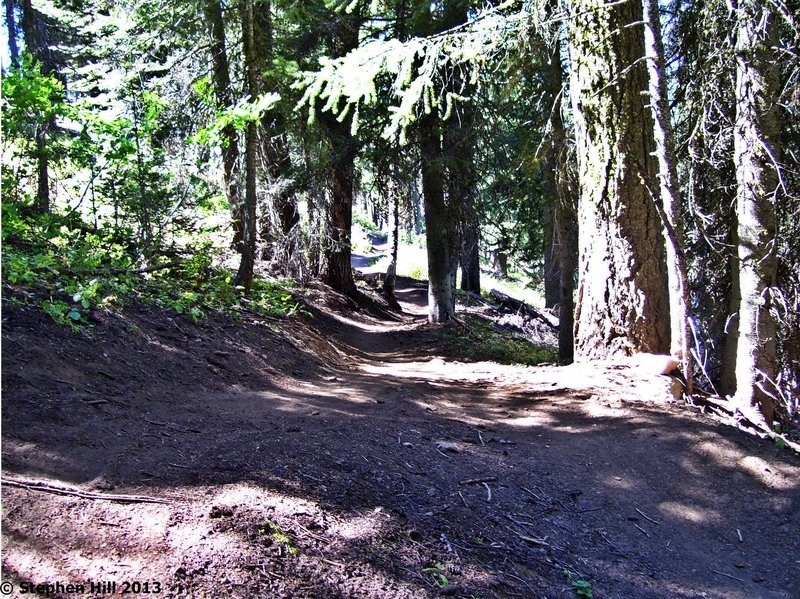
[485,341]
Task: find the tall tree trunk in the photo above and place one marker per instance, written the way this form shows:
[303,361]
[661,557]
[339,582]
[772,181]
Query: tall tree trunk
[552,269]
[338,272]
[668,198]
[439,224]
[565,234]
[757,152]
[623,305]
[463,190]
[11,27]
[244,276]
[37,40]
[443,215]
[394,220]
[727,375]
[470,256]
[274,144]
[220,71]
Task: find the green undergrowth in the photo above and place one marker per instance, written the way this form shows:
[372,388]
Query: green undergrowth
[77,271]
[482,340]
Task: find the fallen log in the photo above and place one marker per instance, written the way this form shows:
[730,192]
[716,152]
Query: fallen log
[521,307]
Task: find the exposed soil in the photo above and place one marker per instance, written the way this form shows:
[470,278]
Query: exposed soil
[356,453]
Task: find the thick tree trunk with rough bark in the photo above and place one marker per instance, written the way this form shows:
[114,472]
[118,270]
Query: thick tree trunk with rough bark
[220,71]
[462,191]
[338,272]
[757,152]
[439,225]
[462,184]
[244,276]
[623,306]
[444,144]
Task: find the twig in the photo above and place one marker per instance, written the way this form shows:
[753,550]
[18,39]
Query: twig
[332,563]
[33,485]
[441,452]
[462,499]
[647,534]
[614,547]
[591,509]
[646,517]
[488,492]
[739,532]
[520,522]
[480,438]
[313,534]
[727,575]
[476,481]
[301,473]
[533,540]
[532,493]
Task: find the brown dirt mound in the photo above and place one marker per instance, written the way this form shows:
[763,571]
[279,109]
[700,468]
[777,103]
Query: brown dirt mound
[352,453]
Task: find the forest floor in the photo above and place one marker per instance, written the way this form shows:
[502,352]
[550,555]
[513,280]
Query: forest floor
[356,452]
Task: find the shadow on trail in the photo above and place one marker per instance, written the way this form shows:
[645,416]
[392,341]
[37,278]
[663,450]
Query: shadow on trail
[514,484]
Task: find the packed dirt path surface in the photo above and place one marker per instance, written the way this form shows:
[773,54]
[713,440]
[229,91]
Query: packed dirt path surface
[356,453]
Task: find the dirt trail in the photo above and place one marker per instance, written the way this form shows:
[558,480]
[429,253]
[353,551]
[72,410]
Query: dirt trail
[353,456]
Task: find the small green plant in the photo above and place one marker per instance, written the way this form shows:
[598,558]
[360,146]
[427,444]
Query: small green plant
[277,534]
[437,573]
[63,313]
[583,588]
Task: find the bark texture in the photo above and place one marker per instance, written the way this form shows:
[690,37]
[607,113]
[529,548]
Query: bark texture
[439,225]
[444,144]
[756,149]
[623,307]
[667,197]
[564,236]
[220,70]
[338,272]
[244,276]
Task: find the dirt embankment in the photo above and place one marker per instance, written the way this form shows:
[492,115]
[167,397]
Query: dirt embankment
[354,455]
